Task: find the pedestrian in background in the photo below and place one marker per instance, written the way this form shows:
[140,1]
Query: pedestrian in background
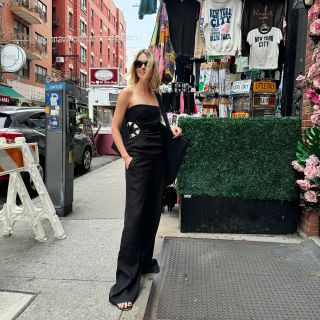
[138,105]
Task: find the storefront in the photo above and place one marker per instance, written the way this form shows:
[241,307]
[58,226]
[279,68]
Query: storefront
[236,60]
[102,103]
[212,47]
[8,95]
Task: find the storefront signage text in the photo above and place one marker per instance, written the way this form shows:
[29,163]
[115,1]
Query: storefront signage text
[240,115]
[5,99]
[241,87]
[264,86]
[104,76]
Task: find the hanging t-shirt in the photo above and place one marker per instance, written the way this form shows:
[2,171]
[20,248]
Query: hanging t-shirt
[264,49]
[221,26]
[256,12]
[183,16]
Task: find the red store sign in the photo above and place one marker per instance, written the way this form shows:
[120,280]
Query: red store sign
[5,99]
[104,76]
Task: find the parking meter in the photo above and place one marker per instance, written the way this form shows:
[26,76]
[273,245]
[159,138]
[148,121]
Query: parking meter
[60,126]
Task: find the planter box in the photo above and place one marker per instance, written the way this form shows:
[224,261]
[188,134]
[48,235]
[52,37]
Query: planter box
[229,215]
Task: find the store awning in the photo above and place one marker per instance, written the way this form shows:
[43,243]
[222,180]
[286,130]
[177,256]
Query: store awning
[8,91]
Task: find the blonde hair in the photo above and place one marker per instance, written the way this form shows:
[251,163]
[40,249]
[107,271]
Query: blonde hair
[152,63]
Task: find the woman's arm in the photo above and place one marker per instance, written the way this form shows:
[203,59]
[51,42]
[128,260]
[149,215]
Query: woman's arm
[121,108]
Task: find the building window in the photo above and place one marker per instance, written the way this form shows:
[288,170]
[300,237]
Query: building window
[25,71]
[70,20]
[92,39]
[70,47]
[114,59]
[101,4]
[42,9]
[92,16]
[100,25]
[19,27]
[83,54]
[42,42]
[83,80]
[109,36]
[83,28]
[70,73]
[83,4]
[108,54]
[100,64]
[92,61]
[41,74]
[100,48]
[109,14]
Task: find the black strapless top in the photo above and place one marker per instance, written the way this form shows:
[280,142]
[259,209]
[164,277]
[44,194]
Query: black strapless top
[143,123]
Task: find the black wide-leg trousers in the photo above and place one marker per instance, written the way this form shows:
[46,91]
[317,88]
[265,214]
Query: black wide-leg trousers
[144,194]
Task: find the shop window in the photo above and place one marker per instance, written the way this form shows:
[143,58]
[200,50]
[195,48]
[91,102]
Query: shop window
[102,115]
[40,74]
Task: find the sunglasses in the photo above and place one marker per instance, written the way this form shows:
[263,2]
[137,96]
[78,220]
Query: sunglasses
[138,64]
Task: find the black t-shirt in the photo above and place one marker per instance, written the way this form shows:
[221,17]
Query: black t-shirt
[183,16]
[256,12]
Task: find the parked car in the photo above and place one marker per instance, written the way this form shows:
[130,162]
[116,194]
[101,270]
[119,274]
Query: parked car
[31,122]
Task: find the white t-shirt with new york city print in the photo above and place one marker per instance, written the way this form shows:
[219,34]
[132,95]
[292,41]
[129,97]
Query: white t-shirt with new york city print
[220,26]
[264,49]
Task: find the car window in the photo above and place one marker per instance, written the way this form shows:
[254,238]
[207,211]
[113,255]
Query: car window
[36,121]
[5,121]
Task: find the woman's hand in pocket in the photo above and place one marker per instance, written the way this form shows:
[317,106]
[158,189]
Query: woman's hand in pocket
[127,161]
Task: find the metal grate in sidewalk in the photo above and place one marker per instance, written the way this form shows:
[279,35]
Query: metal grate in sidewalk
[236,280]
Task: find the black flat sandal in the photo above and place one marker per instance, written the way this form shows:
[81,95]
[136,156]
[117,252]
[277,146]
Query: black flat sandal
[154,268]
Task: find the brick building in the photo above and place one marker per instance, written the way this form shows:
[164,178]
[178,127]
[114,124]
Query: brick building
[88,34]
[28,23]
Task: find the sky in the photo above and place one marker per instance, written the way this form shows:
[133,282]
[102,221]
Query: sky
[139,32]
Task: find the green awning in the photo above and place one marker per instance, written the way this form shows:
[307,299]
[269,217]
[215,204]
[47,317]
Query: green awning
[8,91]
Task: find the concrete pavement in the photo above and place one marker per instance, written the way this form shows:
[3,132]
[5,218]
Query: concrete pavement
[70,279]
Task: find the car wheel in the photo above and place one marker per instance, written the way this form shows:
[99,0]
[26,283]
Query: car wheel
[86,160]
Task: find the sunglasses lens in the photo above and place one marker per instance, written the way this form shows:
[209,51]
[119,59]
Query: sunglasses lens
[139,64]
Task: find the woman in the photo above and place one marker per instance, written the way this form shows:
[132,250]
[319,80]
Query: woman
[144,163]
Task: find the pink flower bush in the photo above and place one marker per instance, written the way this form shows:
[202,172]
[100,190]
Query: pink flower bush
[314,70]
[297,166]
[314,98]
[312,161]
[304,184]
[311,196]
[315,118]
[310,172]
[315,28]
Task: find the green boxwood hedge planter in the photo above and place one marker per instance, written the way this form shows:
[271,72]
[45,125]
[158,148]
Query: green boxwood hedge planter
[237,175]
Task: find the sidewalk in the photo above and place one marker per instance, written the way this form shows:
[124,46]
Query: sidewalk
[70,279]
